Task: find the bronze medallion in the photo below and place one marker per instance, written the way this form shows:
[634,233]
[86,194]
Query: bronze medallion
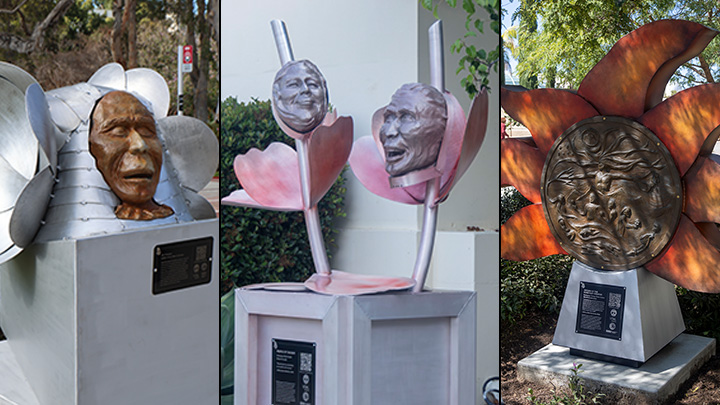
[611,193]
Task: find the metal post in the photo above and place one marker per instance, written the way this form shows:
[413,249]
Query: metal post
[312,217]
[432,187]
[179,80]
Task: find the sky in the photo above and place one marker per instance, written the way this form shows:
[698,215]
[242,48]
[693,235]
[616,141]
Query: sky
[509,7]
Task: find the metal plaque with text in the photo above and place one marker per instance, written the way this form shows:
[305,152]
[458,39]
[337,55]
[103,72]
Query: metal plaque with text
[293,372]
[182,264]
[600,310]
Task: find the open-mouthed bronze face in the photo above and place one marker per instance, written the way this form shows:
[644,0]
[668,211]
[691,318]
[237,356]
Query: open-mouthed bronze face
[123,140]
[413,128]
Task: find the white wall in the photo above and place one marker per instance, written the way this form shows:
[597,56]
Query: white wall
[366,50]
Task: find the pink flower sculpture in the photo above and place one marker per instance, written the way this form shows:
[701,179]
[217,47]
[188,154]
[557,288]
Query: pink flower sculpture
[271,178]
[460,144]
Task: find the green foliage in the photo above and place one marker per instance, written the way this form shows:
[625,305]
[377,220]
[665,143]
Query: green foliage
[575,394]
[701,312]
[260,245]
[227,344]
[476,62]
[574,35]
[538,283]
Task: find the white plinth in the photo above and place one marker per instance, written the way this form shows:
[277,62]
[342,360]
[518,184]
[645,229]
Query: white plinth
[398,348]
[85,328]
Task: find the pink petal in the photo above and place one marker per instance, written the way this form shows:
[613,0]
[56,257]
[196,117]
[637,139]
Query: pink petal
[329,148]
[368,165]
[240,198]
[271,177]
[472,140]
[342,283]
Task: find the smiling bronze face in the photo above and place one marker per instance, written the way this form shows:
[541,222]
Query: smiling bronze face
[300,95]
[413,128]
[123,140]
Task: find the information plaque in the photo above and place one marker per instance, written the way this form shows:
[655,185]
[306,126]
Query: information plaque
[600,310]
[182,264]
[293,372]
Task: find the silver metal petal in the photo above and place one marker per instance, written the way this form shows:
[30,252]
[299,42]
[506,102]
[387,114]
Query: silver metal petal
[111,75]
[80,98]
[193,149]
[12,184]
[15,75]
[150,85]
[30,208]
[63,116]
[199,207]
[17,142]
[42,125]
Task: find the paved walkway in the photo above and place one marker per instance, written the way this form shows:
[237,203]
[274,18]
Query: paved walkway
[211,192]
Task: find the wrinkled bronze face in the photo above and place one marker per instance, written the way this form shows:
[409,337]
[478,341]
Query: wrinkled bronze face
[413,128]
[611,193]
[124,142]
[300,95]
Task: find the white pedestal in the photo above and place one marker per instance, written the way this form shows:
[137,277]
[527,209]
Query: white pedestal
[651,316]
[85,328]
[398,348]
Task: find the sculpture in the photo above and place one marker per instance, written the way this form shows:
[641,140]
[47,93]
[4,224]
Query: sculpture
[56,190]
[619,177]
[412,177]
[124,142]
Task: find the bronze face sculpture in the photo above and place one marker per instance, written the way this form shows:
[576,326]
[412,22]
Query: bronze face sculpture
[300,95]
[123,139]
[413,128]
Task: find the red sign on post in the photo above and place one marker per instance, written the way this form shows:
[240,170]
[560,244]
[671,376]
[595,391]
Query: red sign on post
[187,58]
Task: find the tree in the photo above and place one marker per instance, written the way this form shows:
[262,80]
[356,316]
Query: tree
[17,37]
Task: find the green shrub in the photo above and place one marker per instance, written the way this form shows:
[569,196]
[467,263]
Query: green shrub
[537,284]
[574,394]
[258,245]
[701,312]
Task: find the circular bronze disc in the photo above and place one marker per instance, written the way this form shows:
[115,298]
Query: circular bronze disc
[611,193]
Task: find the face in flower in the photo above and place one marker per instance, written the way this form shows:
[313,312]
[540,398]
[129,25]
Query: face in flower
[123,140]
[413,128]
[300,95]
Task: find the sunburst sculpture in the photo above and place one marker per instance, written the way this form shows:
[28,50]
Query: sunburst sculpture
[618,177]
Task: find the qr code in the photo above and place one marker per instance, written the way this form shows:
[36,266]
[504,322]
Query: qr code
[201,253]
[306,362]
[614,300]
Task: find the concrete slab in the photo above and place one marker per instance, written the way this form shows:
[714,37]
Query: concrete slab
[14,388]
[656,380]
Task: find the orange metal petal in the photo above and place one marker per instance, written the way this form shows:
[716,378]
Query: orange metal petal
[632,77]
[686,123]
[521,166]
[710,231]
[689,261]
[702,191]
[547,113]
[526,236]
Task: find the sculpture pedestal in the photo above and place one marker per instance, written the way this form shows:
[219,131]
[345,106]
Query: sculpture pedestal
[398,348]
[85,328]
[623,317]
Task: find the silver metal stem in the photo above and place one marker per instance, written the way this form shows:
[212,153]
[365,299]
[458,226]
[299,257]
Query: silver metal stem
[282,41]
[437,59]
[312,218]
[432,187]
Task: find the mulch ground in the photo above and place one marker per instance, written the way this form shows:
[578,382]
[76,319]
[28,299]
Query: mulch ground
[536,330]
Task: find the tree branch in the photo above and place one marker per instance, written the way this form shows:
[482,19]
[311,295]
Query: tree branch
[15,10]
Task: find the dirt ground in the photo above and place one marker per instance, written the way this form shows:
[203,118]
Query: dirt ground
[536,330]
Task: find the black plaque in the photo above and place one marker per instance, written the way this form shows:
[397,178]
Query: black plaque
[293,372]
[182,264]
[600,310]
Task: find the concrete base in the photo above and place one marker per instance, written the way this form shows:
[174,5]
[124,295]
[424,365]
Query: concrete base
[399,348]
[657,379]
[85,328]
[14,388]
